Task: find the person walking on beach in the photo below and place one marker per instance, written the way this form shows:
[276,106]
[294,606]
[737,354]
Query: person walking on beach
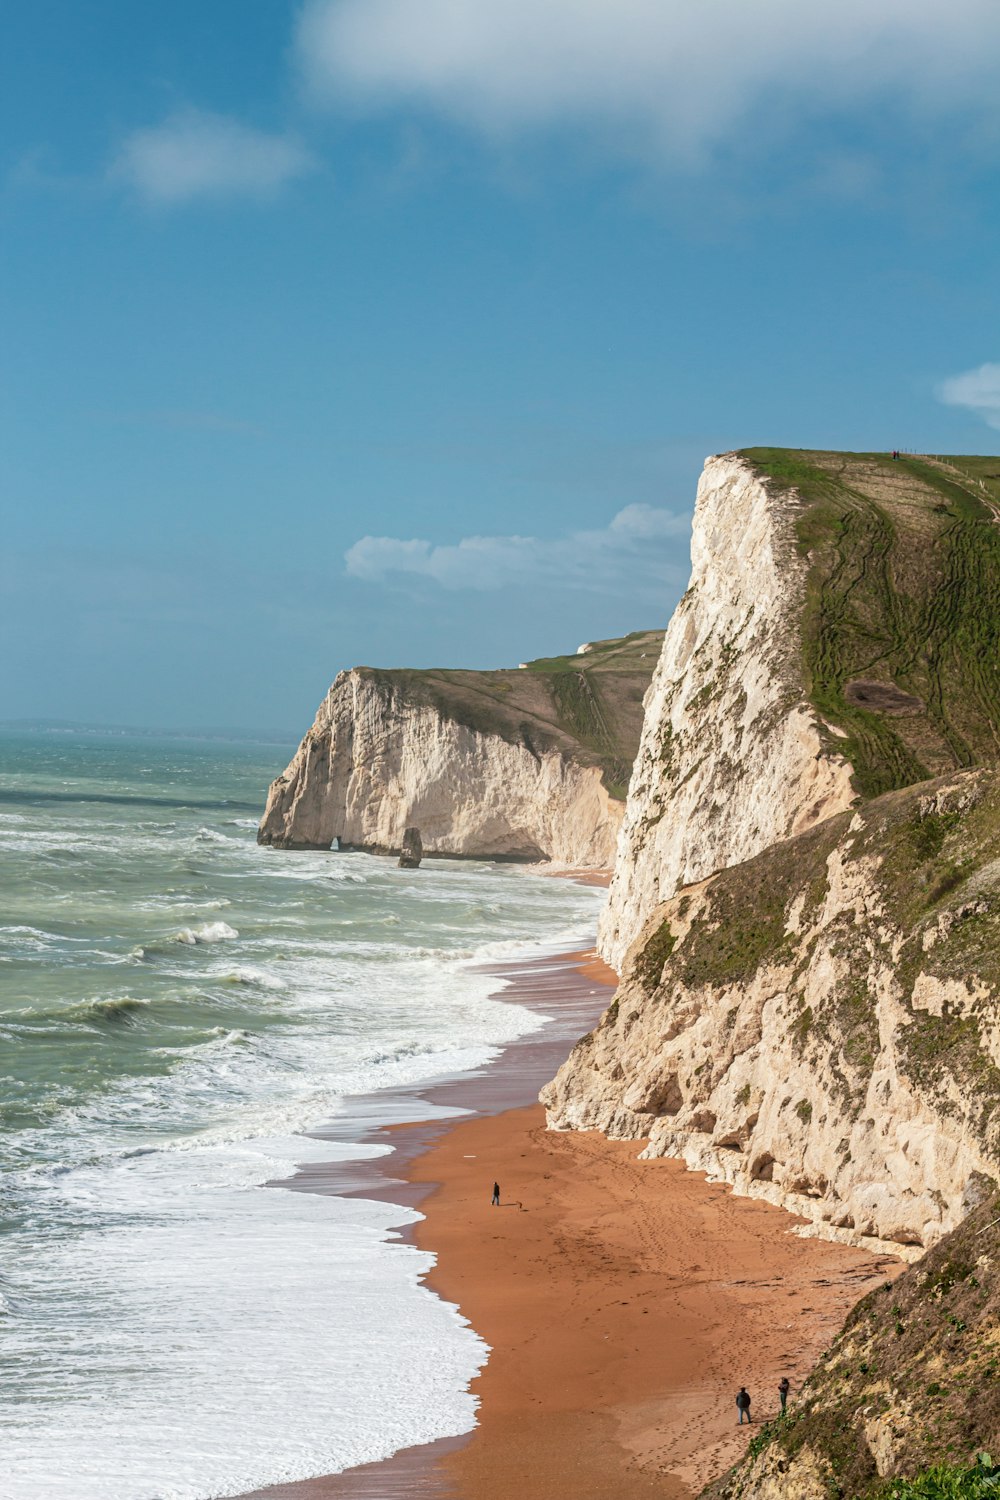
[495,1200]
[743,1404]
[783,1390]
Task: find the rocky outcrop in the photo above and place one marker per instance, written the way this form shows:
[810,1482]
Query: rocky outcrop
[412,851]
[732,755]
[820,1026]
[832,645]
[529,764]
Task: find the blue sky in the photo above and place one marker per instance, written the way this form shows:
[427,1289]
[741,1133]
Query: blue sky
[375,331]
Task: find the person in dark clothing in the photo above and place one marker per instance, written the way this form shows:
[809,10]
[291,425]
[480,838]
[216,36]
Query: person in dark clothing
[783,1390]
[743,1404]
[495,1200]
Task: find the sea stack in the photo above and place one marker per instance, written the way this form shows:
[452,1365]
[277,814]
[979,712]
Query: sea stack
[412,851]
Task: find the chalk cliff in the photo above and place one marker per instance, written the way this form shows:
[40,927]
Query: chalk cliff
[806,901]
[820,1026]
[527,764]
[833,643]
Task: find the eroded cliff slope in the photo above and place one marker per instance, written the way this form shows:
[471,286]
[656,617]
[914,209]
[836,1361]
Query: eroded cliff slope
[838,639]
[820,1025]
[912,1382]
[525,764]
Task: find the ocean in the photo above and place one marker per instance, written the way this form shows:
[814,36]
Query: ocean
[177,1006]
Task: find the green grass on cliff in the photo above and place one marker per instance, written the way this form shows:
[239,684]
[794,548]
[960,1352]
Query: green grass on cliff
[901,635]
[588,706]
[930,856]
[976,1481]
[917,1365]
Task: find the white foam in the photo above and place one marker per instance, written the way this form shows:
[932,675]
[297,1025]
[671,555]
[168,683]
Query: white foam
[174,1330]
[244,974]
[237,1336]
[208,932]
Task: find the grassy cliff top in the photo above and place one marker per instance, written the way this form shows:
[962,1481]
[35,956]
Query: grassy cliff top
[588,706]
[901,630]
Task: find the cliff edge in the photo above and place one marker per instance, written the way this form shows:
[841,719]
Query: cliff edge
[528,764]
[838,639]
[806,901]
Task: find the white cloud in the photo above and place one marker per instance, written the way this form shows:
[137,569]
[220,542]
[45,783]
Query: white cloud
[194,154]
[977,390]
[637,550]
[676,75]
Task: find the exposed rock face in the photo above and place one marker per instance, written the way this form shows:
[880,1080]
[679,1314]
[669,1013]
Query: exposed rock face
[832,644]
[371,765]
[412,851]
[732,756]
[910,1379]
[821,1025]
[527,765]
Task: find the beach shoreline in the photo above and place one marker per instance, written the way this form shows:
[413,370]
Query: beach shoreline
[572,990]
[620,1298]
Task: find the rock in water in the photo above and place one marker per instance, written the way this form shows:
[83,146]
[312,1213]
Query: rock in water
[412,851]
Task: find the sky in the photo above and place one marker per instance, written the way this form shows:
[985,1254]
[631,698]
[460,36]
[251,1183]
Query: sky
[396,331]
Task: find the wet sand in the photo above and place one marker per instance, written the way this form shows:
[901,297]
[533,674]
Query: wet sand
[624,1301]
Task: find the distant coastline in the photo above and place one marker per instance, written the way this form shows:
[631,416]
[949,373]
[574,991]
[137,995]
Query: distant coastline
[209,735]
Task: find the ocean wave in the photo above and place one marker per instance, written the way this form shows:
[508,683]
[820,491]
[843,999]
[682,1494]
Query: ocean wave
[177,903]
[115,1009]
[208,932]
[30,937]
[163,1129]
[246,975]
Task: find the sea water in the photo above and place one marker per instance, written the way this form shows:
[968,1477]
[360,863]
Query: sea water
[176,1006]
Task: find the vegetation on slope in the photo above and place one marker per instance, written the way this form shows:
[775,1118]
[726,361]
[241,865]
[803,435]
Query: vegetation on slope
[909,1394]
[930,859]
[901,636]
[976,1481]
[589,706]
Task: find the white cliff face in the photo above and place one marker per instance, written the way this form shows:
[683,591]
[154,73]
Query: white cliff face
[816,1027]
[731,758]
[374,764]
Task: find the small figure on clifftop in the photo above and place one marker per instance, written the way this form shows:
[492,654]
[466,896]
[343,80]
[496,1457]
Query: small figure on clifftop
[783,1390]
[743,1404]
[495,1200]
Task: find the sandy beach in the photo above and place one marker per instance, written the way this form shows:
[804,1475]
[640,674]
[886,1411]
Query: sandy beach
[624,1301]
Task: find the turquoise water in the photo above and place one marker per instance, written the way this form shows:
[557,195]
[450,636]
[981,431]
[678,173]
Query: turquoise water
[176,1005]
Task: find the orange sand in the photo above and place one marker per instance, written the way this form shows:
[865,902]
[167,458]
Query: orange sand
[625,1301]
